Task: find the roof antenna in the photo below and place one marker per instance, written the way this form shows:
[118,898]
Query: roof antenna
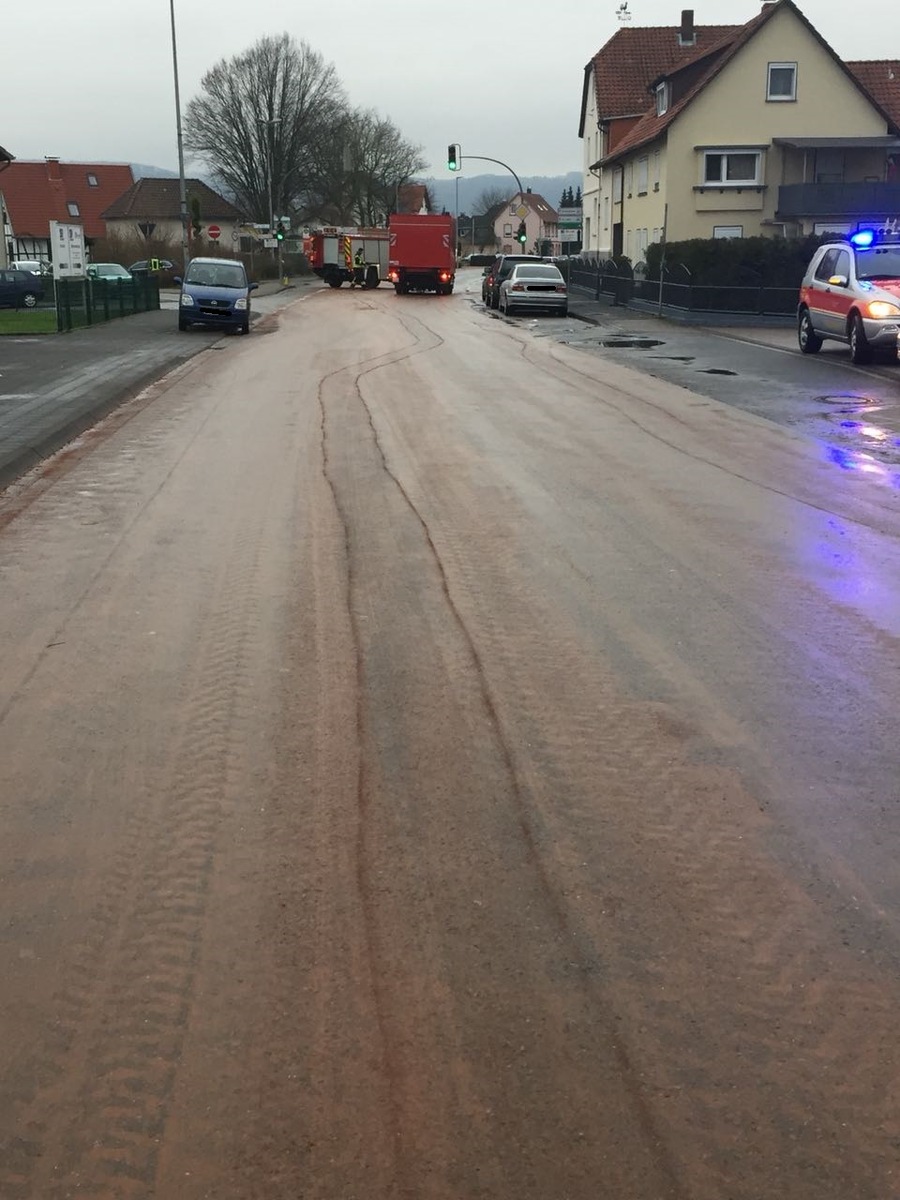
[622,12]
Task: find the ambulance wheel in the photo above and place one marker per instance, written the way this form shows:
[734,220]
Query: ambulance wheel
[810,342]
[860,350]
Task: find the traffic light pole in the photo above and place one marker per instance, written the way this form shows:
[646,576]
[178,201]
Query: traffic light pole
[484,158]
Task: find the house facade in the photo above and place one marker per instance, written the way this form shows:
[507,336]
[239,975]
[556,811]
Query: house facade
[5,258]
[541,222]
[151,209]
[746,130]
[34,193]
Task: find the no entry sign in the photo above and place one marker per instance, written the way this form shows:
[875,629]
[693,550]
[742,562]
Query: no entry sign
[214,231]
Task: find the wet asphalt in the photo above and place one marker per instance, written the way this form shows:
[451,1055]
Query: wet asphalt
[54,387]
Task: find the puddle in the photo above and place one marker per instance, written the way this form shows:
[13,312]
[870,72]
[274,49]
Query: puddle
[631,343]
[716,371]
[851,398]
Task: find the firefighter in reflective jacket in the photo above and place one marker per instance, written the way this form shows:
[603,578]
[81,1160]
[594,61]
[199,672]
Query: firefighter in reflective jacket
[359,268]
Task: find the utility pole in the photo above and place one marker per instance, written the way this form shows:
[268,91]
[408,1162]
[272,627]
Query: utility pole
[271,123]
[182,186]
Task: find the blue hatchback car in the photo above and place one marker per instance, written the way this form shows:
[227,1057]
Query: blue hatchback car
[215,292]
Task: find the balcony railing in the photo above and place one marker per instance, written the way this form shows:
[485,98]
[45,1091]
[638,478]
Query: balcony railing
[850,201]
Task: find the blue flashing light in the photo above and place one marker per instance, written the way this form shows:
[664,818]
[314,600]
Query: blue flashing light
[863,237]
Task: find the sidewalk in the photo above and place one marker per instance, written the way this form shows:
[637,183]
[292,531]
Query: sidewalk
[779,333]
[53,387]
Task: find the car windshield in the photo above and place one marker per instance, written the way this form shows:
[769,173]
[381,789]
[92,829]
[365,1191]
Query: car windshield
[538,273]
[229,275]
[110,269]
[881,262]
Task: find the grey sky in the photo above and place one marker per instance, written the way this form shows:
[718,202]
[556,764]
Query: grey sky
[93,81]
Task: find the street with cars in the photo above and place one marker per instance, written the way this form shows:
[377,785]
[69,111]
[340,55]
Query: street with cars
[448,752]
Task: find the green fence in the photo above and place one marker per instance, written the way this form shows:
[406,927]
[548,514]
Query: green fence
[81,302]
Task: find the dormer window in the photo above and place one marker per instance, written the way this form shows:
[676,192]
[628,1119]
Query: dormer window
[662,99]
[782,84]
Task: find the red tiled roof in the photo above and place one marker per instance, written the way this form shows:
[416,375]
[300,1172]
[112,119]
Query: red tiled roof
[411,197]
[650,126]
[881,79]
[539,205]
[37,193]
[632,58]
[160,198]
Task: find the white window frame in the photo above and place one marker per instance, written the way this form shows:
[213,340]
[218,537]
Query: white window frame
[507,229]
[656,170]
[728,231]
[662,98]
[643,175]
[724,153]
[779,98]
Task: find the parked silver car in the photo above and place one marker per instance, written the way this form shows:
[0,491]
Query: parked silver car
[534,285]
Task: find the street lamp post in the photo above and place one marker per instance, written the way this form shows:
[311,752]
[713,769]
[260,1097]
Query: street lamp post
[182,186]
[271,122]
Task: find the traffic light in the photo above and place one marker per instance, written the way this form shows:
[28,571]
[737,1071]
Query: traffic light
[522,235]
[279,232]
[453,157]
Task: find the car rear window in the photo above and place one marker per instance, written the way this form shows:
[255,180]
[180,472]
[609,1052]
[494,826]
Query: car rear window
[537,272]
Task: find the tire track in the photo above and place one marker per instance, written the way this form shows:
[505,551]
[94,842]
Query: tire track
[523,800]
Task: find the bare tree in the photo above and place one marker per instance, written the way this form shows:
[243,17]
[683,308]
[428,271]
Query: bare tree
[491,197]
[362,163]
[261,120]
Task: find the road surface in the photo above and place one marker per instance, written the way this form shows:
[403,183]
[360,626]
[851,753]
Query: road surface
[436,763]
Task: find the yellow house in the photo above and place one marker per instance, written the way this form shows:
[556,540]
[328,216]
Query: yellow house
[735,131]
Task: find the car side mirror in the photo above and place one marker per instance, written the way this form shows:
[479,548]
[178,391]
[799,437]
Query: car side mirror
[838,280]
[251,287]
[177,279]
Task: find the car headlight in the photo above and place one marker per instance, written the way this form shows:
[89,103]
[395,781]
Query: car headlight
[186,300]
[241,304]
[880,309]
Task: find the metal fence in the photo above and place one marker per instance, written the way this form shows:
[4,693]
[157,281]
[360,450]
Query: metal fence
[617,282]
[81,302]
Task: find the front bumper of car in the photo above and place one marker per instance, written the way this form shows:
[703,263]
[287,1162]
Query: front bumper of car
[214,311]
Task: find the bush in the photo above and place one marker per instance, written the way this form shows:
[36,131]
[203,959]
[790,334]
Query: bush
[717,262]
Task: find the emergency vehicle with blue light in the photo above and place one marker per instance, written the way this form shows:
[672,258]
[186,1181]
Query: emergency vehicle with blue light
[851,293]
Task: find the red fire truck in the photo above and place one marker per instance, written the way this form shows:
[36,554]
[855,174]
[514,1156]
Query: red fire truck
[348,255]
[422,252]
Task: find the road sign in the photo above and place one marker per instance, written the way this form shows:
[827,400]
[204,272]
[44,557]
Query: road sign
[270,243]
[214,231]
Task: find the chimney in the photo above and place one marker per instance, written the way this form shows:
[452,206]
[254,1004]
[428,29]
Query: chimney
[687,35]
[53,172]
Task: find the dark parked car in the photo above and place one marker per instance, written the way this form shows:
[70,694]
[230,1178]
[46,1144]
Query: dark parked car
[20,289]
[501,267]
[143,267]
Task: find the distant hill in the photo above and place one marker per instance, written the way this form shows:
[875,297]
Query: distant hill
[142,171]
[472,187]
